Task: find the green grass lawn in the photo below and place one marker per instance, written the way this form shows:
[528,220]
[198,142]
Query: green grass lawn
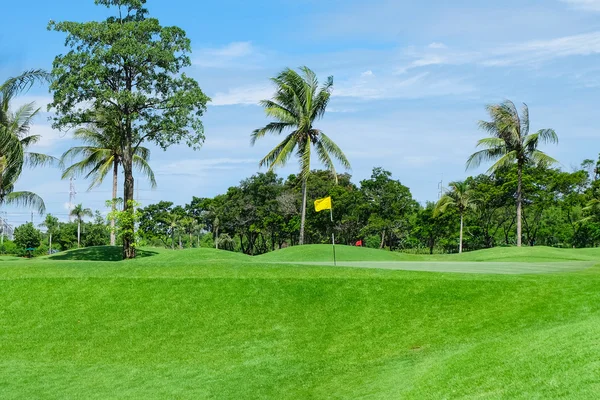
[209,324]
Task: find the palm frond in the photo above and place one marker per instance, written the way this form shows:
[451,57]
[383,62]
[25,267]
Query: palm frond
[479,157]
[26,199]
[504,161]
[326,159]
[142,165]
[540,158]
[442,205]
[280,154]
[274,128]
[33,160]
[19,84]
[334,150]
[524,120]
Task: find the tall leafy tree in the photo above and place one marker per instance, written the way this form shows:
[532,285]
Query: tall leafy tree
[511,143]
[78,212]
[15,140]
[101,154]
[461,197]
[130,67]
[51,225]
[298,102]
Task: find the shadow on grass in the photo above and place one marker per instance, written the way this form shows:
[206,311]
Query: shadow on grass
[99,253]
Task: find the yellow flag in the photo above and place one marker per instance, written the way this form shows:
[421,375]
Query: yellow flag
[323,204]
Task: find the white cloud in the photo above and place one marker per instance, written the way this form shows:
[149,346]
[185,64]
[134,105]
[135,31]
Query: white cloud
[527,53]
[242,95]
[536,51]
[437,45]
[236,54]
[49,138]
[39,101]
[198,166]
[233,50]
[367,73]
[588,5]
[391,86]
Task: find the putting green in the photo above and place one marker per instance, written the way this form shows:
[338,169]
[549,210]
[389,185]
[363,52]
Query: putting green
[510,268]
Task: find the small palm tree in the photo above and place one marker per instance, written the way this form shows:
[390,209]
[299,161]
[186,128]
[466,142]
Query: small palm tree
[101,154]
[51,225]
[296,105]
[174,221]
[15,141]
[78,212]
[511,143]
[459,196]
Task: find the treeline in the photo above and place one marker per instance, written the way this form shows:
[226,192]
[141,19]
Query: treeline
[262,213]
[53,236]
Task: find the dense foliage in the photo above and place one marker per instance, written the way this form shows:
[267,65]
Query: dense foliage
[263,213]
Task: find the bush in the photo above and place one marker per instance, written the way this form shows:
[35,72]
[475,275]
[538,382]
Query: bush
[9,247]
[27,236]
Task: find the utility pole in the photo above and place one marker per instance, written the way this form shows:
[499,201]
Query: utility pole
[32,218]
[72,194]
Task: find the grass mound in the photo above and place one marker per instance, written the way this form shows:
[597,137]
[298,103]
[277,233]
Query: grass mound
[98,253]
[523,254]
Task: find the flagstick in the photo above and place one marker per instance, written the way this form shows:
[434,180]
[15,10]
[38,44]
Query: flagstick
[332,236]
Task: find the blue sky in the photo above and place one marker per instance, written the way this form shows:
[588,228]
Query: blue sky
[411,82]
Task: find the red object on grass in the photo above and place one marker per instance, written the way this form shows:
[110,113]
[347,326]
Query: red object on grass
[359,243]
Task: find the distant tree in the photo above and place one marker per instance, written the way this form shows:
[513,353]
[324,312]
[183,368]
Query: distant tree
[511,143]
[461,197]
[78,212]
[51,224]
[130,67]
[101,154]
[297,104]
[389,206]
[26,236]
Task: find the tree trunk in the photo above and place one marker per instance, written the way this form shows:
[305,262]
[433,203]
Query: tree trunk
[519,203]
[173,240]
[180,246]
[382,240]
[78,233]
[217,238]
[191,242]
[128,187]
[113,240]
[460,245]
[303,217]
[50,245]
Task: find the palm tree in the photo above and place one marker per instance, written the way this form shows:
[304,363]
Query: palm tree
[296,105]
[51,224]
[78,212]
[174,221]
[101,154]
[460,196]
[15,141]
[511,143]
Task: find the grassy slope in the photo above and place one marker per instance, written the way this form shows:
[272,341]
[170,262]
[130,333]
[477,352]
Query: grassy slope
[323,252]
[203,323]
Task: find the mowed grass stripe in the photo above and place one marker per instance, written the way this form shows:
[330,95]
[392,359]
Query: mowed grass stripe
[465,267]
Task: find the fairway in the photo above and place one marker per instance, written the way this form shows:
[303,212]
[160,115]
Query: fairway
[205,323]
[466,267]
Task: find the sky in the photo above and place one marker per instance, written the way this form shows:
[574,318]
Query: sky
[411,81]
